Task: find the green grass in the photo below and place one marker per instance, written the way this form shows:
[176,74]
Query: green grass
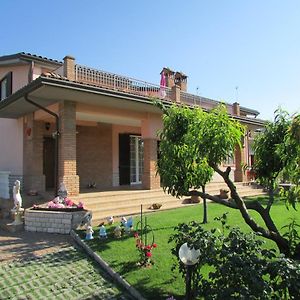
[159,282]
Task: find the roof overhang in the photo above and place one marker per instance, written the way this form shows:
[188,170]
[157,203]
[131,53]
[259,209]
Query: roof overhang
[47,90]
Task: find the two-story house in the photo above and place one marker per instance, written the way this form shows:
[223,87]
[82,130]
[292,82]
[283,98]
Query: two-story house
[60,121]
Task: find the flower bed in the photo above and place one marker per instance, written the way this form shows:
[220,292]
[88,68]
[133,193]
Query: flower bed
[53,220]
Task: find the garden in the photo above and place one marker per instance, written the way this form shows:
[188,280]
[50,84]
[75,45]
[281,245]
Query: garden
[159,281]
[243,248]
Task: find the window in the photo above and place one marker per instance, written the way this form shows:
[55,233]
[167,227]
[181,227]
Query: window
[6,86]
[230,160]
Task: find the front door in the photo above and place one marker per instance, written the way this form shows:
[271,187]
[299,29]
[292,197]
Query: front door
[49,161]
[136,159]
[130,159]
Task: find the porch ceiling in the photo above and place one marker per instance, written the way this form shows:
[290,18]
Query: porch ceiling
[104,118]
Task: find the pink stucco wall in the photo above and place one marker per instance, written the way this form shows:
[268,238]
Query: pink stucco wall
[11,137]
[11,130]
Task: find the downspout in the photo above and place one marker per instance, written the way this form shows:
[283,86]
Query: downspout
[56,176]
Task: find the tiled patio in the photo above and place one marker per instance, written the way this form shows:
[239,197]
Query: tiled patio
[45,266]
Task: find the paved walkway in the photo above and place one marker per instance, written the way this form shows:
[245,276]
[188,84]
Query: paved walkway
[24,245]
[49,266]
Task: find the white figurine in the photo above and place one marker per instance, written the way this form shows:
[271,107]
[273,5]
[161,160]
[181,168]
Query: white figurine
[110,220]
[118,232]
[17,196]
[102,232]
[123,221]
[89,233]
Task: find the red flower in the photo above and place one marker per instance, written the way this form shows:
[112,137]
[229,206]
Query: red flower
[148,247]
[148,254]
[154,245]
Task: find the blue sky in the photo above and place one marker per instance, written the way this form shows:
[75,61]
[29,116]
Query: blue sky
[253,45]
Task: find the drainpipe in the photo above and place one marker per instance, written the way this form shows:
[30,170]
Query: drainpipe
[56,183]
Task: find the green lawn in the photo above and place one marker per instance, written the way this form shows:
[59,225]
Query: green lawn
[159,282]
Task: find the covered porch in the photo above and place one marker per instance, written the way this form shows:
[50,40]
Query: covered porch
[99,148]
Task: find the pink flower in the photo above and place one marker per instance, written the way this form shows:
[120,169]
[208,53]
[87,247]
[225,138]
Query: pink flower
[80,205]
[148,254]
[69,202]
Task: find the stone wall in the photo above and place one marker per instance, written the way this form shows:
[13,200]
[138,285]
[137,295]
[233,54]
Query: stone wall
[52,221]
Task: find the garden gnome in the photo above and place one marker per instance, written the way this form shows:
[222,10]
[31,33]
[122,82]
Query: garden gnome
[102,232]
[128,225]
[62,192]
[110,220]
[118,232]
[123,221]
[89,233]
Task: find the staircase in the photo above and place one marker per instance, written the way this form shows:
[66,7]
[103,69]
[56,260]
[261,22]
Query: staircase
[128,202]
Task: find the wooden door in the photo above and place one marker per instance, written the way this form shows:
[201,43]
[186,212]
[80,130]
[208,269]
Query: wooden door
[49,161]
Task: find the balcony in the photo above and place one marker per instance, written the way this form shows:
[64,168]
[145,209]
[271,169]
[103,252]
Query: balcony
[137,87]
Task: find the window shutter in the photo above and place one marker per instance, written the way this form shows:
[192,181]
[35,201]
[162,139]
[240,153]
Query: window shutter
[9,84]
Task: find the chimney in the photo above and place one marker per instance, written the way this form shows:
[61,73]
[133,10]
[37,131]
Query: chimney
[169,74]
[181,81]
[236,109]
[69,67]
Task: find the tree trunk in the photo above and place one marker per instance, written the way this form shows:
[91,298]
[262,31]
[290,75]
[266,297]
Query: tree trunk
[204,206]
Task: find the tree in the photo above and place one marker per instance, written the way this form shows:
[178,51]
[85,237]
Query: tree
[186,169]
[193,143]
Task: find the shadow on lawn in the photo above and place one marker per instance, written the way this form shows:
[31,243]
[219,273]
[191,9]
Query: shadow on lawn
[155,292]
[124,267]
[263,200]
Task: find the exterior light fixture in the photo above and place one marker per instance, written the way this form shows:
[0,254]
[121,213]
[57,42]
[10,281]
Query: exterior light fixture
[47,126]
[189,257]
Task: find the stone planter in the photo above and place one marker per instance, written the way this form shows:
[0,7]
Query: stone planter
[52,221]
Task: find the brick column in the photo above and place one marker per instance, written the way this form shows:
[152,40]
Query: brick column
[33,154]
[175,93]
[150,179]
[239,157]
[67,147]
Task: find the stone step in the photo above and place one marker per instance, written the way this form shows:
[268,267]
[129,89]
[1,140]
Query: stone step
[138,197]
[131,208]
[132,203]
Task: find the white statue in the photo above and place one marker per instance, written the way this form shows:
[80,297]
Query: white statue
[17,211]
[17,196]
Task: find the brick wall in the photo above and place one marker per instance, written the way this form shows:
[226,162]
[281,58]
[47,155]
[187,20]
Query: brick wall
[150,180]
[94,155]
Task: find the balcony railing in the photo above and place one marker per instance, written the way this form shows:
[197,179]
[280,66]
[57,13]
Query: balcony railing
[203,102]
[120,83]
[138,87]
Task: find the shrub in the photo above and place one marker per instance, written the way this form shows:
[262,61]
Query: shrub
[240,268]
